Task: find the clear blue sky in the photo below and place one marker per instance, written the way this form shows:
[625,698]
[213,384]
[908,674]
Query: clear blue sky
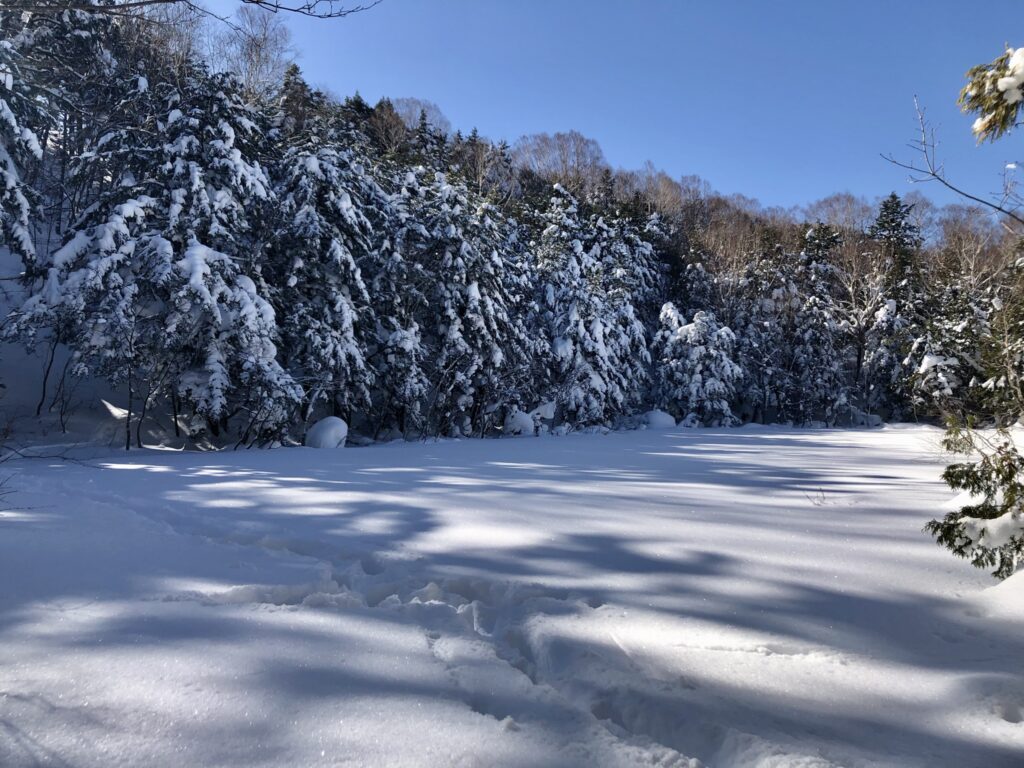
[784,101]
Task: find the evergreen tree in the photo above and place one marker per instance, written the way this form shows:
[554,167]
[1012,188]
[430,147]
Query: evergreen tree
[329,211]
[593,335]
[988,532]
[19,147]
[477,329]
[153,287]
[821,390]
[897,323]
[766,331]
[696,372]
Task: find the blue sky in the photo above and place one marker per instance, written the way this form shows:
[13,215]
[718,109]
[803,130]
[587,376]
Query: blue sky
[784,101]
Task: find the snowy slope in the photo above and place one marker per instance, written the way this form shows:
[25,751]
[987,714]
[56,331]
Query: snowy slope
[750,597]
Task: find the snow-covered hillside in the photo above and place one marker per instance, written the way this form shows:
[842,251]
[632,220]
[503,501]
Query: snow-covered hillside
[747,597]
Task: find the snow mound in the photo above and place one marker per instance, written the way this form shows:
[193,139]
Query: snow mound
[659,420]
[327,433]
[1005,599]
[519,423]
[544,411]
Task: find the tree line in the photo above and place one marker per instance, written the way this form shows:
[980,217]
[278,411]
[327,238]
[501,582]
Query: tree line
[246,253]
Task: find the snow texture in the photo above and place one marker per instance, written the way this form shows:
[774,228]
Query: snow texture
[735,597]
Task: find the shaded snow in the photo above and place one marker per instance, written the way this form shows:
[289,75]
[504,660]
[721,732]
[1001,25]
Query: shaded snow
[749,597]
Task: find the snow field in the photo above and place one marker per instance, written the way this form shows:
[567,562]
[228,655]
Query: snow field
[748,597]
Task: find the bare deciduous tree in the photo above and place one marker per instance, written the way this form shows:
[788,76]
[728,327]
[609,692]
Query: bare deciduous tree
[324,9]
[257,48]
[567,158]
[387,127]
[410,108]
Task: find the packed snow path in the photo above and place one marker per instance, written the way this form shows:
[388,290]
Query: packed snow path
[751,597]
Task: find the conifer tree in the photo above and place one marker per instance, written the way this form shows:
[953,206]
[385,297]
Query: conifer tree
[821,391]
[329,211]
[897,323]
[153,287]
[475,295]
[19,147]
[696,373]
[593,332]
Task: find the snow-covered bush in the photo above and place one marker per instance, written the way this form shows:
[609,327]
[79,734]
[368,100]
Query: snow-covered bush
[989,529]
[518,422]
[657,419]
[329,432]
[696,373]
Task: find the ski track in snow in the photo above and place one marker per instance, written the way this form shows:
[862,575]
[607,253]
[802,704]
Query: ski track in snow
[684,598]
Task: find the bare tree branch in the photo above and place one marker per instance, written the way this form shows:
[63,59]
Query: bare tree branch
[323,9]
[932,170]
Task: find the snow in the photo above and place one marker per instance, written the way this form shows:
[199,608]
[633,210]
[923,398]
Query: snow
[737,597]
[329,432]
[659,420]
[545,410]
[518,423]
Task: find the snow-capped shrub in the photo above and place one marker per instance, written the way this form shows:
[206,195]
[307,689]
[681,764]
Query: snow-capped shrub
[659,420]
[329,432]
[518,422]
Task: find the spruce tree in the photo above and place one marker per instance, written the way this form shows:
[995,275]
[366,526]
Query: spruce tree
[696,372]
[154,286]
[898,323]
[475,296]
[819,352]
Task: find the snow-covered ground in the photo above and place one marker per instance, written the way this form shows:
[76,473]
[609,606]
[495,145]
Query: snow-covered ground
[750,597]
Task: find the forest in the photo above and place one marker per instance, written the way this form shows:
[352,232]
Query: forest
[239,254]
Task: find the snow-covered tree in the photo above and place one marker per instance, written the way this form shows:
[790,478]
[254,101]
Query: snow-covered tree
[19,146]
[696,373]
[897,323]
[153,287]
[475,296]
[631,284]
[948,355]
[988,529]
[590,346]
[328,209]
[765,331]
[821,391]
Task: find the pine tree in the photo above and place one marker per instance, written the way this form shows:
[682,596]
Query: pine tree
[946,359]
[765,331]
[476,325]
[897,324]
[153,287]
[696,373]
[631,283]
[329,211]
[821,391]
[594,333]
[19,147]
